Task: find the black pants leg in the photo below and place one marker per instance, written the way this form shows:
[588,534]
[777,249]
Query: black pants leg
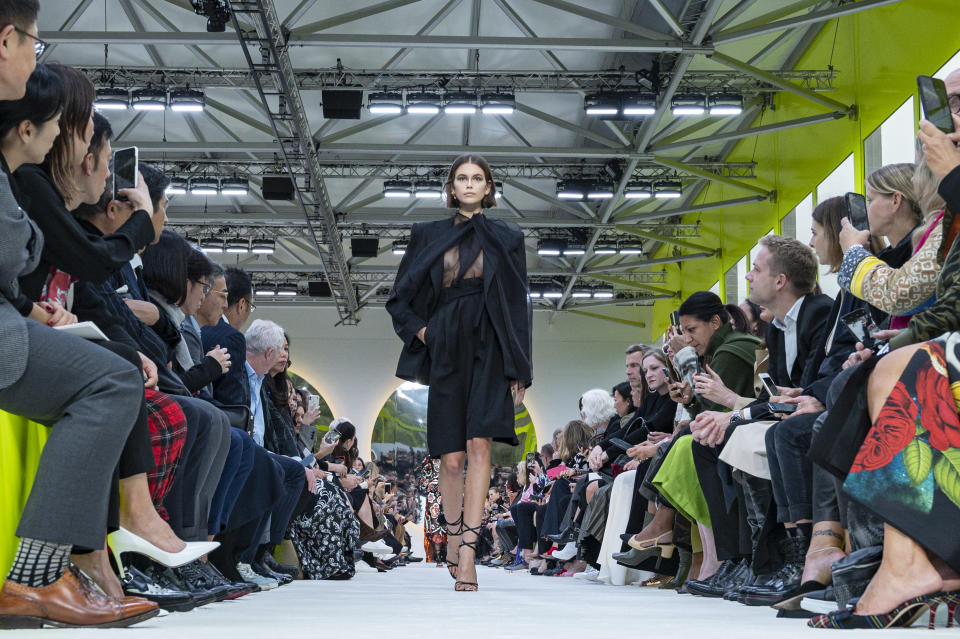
[725,520]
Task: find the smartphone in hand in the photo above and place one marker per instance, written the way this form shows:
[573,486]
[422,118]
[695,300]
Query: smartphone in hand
[935,102]
[124,169]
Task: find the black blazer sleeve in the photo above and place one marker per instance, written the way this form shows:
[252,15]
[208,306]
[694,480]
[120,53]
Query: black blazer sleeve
[525,331]
[405,321]
[198,376]
[232,388]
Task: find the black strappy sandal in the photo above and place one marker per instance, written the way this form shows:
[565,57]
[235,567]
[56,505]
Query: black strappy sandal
[469,586]
[442,520]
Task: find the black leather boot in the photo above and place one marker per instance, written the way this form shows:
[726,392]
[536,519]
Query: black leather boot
[785,583]
[704,586]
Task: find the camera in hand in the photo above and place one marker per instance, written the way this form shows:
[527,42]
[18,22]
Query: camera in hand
[331,437]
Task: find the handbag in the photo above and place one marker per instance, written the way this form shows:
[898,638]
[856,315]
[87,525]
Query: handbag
[838,440]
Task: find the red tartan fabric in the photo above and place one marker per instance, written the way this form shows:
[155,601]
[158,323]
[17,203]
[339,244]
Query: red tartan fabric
[168,432]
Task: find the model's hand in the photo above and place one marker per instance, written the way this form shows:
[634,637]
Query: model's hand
[518,391]
[422,334]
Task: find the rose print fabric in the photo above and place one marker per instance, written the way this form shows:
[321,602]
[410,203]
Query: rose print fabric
[908,469]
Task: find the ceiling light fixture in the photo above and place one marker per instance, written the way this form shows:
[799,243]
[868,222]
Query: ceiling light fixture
[571,190]
[603,293]
[238,245]
[289,290]
[424,103]
[460,103]
[600,190]
[605,248]
[725,104]
[631,247]
[498,103]
[639,104]
[263,246]
[552,293]
[187,100]
[399,247]
[266,292]
[397,188]
[112,100]
[234,186]
[581,292]
[551,247]
[211,245]
[499,187]
[177,186]
[204,186]
[385,103]
[668,190]
[427,189]
[688,104]
[149,100]
[637,190]
[601,104]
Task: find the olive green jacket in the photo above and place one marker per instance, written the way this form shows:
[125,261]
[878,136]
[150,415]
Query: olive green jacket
[732,356]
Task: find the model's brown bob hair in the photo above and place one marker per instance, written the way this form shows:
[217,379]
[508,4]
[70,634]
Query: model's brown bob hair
[490,200]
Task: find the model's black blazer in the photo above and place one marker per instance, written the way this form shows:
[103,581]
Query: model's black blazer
[811,325]
[411,312]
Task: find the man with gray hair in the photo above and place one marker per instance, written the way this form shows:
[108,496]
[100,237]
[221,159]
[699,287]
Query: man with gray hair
[264,343]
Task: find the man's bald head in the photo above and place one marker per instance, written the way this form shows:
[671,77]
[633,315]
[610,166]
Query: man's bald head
[953,82]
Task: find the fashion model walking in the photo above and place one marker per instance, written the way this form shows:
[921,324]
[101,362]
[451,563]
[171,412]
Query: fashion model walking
[460,304]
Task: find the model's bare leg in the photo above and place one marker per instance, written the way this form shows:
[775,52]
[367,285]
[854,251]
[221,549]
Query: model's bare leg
[478,481]
[451,500]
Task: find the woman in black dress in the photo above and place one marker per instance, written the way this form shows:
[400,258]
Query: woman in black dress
[460,304]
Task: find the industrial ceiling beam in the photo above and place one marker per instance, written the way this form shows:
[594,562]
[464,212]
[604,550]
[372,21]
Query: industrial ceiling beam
[350,16]
[757,130]
[604,18]
[667,16]
[671,212]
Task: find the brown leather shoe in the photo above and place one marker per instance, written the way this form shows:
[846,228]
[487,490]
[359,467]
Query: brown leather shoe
[71,601]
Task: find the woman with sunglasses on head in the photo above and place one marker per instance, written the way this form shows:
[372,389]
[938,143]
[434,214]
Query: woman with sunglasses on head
[461,307]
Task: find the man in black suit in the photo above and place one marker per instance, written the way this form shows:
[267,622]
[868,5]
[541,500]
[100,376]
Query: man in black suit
[782,279]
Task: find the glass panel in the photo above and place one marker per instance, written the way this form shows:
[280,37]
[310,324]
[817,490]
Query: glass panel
[897,135]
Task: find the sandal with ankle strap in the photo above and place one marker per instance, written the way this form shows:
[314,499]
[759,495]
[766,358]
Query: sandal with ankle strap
[468,586]
[442,520]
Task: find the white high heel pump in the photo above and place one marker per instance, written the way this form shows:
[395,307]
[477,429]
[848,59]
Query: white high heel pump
[122,540]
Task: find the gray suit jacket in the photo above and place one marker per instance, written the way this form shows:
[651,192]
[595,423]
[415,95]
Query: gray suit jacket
[21,243]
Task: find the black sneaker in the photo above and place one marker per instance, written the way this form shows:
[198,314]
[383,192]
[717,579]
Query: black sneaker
[137,584]
[217,578]
[191,577]
[263,571]
[276,566]
[165,578]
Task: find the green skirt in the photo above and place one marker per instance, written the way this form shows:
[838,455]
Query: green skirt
[678,483]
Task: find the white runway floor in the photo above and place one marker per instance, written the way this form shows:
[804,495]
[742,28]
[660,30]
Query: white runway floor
[418,600]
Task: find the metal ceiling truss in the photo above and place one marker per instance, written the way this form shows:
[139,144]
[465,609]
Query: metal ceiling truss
[274,77]
[437,80]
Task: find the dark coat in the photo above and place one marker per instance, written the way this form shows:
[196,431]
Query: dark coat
[811,325]
[419,284]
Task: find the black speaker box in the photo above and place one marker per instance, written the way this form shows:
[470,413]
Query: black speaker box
[364,246]
[342,105]
[277,188]
[318,288]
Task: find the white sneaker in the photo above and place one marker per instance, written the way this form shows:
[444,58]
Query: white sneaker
[376,548]
[568,552]
[588,575]
[251,577]
[363,566]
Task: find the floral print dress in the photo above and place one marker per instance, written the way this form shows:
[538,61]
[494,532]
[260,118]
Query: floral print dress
[324,536]
[908,468]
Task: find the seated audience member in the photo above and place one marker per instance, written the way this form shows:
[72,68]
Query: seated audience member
[88,380]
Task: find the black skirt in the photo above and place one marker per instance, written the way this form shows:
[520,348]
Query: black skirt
[469,392]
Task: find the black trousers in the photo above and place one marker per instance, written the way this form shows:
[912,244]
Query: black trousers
[791,472]
[724,499]
[523,514]
[560,496]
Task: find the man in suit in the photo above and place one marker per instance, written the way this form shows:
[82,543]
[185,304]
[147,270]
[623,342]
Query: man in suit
[88,396]
[782,279]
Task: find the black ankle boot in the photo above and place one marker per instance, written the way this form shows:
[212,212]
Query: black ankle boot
[785,583]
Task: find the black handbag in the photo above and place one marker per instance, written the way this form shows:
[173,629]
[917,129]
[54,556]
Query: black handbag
[838,440]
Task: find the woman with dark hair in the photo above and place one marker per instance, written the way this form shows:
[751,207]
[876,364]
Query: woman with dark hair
[738,319]
[753,313]
[461,307]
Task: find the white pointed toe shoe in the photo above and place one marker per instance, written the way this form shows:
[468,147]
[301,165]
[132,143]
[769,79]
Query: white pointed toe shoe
[122,540]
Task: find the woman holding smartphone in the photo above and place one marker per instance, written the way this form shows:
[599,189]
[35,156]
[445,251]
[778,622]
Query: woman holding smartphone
[460,304]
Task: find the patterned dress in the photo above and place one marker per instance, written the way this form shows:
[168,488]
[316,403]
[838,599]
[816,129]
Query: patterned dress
[325,536]
[908,468]
[434,536]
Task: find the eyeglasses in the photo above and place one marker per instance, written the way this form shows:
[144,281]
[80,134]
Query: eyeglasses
[954,101]
[39,46]
[222,294]
[252,306]
[206,287]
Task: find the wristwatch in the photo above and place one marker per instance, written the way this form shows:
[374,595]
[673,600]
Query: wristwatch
[736,417]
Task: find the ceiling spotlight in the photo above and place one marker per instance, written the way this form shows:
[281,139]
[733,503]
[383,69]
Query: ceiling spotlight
[631,247]
[600,191]
[112,100]
[725,104]
[551,247]
[498,103]
[265,292]
[603,293]
[211,245]
[423,103]
[571,190]
[397,188]
[263,246]
[187,100]
[460,103]
[177,186]
[601,104]
[635,104]
[637,190]
[399,247]
[499,187]
[552,293]
[668,190]
[149,100]
[289,290]
[688,104]
[204,186]
[234,186]
[574,248]
[535,291]
[581,292]
[385,103]
[428,189]
[605,248]
[238,245]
